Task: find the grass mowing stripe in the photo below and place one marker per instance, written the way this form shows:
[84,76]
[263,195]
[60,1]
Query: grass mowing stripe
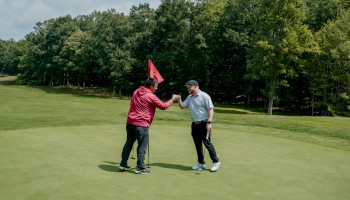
[63,146]
[26,107]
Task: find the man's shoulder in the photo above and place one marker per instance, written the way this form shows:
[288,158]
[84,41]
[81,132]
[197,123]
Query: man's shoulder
[203,94]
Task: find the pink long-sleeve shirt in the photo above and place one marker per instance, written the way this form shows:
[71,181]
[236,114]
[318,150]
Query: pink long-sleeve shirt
[143,106]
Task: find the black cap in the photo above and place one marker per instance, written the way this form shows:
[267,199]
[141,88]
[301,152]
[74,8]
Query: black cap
[191,83]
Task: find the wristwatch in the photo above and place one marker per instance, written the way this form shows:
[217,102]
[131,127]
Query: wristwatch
[208,122]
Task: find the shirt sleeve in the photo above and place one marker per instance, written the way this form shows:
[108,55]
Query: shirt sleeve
[159,104]
[185,103]
[208,102]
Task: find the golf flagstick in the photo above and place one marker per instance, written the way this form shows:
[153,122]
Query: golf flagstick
[148,154]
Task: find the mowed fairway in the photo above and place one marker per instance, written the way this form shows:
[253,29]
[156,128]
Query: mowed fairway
[64,146]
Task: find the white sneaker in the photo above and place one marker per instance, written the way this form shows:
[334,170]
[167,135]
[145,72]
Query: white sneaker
[198,167]
[126,168]
[215,166]
[142,171]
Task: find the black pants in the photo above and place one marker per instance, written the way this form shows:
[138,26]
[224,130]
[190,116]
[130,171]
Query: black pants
[199,133]
[140,134]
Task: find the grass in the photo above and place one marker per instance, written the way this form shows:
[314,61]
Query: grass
[57,145]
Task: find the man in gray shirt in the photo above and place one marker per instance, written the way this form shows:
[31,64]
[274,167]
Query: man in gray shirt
[202,111]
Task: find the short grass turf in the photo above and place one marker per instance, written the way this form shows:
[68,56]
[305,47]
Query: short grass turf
[82,163]
[56,145]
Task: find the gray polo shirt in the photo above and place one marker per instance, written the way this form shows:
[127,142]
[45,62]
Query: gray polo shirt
[199,105]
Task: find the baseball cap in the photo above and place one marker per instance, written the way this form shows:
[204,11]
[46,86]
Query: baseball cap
[191,83]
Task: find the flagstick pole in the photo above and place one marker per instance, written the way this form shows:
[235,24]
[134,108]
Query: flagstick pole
[148,154]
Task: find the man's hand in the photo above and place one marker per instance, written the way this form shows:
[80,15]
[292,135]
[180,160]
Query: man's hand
[208,126]
[176,97]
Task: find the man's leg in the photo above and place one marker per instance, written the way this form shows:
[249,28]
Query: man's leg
[130,139]
[142,136]
[212,153]
[197,139]
[211,150]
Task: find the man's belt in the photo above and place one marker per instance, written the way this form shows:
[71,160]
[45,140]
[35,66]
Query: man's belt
[200,122]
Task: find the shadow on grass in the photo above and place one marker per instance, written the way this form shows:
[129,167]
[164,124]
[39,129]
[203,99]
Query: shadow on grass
[229,111]
[110,167]
[114,167]
[7,82]
[87,92]
[172,166]
[237,109]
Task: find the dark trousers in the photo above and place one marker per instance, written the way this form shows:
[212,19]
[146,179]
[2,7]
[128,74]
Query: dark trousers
[199,133]
[140,134]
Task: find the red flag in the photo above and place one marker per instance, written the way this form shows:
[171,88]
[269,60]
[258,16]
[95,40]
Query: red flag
[153,72]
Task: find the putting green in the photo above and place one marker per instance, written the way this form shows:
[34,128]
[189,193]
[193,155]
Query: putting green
[81,162]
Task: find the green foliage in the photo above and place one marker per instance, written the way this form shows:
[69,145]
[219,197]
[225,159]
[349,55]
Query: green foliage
[113,47]
[9,57]
[322,11]
[334,40]
[292,54]
[279,42]
[143,20]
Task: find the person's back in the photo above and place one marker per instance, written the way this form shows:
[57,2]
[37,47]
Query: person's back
[140,117]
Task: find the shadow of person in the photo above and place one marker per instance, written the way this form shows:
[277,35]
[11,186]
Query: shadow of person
[114,167]
[172,166]
[110,167]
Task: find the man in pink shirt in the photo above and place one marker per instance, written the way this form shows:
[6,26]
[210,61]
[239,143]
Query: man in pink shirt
[140,117]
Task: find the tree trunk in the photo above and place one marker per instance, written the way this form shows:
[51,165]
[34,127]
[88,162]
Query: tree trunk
[51,81]
[270,105]
[271,95]
[120,91]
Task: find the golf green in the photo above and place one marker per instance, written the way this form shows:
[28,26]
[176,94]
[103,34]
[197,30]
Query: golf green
[59,145]
[81,162]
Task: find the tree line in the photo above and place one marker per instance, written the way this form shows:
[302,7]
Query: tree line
[290,54]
